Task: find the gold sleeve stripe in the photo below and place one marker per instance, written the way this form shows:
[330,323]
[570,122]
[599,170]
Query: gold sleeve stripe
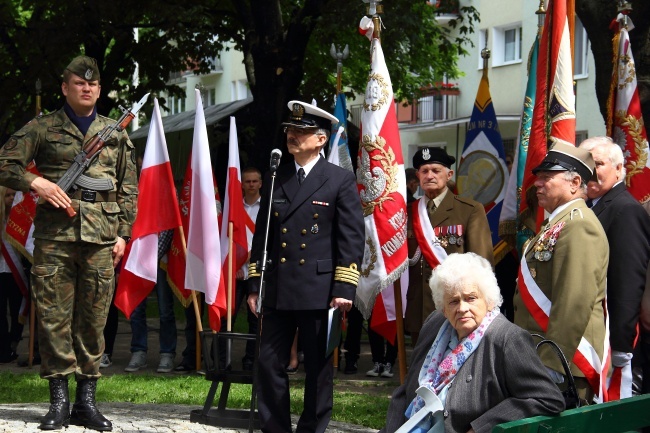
[347,275]
[252,270]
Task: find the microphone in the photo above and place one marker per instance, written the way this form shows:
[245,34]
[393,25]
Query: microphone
[276,154]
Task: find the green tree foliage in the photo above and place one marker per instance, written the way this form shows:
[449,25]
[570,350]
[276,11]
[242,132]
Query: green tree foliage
[286,46]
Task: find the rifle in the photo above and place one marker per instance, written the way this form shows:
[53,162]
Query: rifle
[73,178]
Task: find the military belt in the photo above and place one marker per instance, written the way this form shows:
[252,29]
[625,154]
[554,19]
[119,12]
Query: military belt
[94,196]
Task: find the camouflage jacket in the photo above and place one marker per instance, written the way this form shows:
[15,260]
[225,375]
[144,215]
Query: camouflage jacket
[53,141]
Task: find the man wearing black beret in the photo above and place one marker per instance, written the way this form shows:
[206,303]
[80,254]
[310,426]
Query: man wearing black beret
[440,223]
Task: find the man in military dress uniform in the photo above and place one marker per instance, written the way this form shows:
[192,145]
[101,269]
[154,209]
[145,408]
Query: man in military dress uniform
[74,257]
[561,287]
[315,245]
[440,223]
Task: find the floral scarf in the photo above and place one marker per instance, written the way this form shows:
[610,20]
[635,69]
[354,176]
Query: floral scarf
[436,372]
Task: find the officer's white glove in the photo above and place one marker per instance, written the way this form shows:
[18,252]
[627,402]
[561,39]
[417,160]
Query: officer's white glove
[621,359]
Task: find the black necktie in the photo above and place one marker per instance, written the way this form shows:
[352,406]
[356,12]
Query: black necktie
[301,175]
[590,202]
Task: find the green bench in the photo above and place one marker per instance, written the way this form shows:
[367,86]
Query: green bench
[614,417]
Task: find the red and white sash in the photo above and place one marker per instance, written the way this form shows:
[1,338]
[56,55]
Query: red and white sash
[620,383]
[585,358]
[425,234]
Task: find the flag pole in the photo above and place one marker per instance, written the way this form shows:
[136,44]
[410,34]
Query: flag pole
[229,291]
[197,312]
[339,56]
[32,306]
[375,9]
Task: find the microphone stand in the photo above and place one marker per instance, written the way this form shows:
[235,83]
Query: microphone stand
[260,298]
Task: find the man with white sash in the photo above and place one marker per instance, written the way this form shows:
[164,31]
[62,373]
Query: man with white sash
[440,223]
[562,277]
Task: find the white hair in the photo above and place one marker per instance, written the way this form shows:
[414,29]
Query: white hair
[570,174]
[612,149]
[460,269]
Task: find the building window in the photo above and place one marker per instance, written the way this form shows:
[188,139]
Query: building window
[506,45]
[581,62]
[482,41]
[177,105]
[238,90]
[208,96]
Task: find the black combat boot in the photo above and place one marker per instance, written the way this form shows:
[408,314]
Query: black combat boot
[59,414]
[84,410]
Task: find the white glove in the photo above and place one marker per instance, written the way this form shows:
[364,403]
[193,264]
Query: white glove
[621,359]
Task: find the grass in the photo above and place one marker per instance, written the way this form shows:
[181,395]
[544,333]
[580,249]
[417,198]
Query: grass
[364,404]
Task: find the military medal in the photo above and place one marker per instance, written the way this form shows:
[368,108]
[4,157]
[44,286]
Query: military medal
[452,236]
[546,242]
[314,228]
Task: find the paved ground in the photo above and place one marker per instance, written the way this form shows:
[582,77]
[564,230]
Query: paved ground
[131,418]
[127,417]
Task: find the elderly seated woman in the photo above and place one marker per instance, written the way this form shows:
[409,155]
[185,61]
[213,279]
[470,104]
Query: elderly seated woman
[484,369]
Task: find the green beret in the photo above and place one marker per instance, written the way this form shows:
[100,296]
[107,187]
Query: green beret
[84,67]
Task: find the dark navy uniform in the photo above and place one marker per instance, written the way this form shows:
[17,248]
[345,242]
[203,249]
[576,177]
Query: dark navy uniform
[315,242]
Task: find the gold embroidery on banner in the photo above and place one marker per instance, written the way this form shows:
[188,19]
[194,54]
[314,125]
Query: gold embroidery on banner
[634,127]
[372,251]
[380,182]
[378,92]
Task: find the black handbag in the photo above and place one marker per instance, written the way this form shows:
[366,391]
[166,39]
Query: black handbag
[571,399]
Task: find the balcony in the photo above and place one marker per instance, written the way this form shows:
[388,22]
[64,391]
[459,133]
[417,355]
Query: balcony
[437,104]
[446,10]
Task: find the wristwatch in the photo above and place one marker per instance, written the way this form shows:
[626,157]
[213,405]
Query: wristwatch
[127,239]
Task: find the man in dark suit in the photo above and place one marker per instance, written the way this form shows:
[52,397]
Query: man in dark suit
[315,243]
[440,223]
[627,226]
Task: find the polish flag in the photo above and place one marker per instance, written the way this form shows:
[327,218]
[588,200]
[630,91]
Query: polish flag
[234,215]
[203,261]
[175,265]
[157,212]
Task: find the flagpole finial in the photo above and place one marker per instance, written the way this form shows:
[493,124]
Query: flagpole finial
[540,12]
[624,6]
[485,54]
[339,56]
[374,8]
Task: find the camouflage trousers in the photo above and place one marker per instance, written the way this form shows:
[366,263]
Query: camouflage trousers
[72,289]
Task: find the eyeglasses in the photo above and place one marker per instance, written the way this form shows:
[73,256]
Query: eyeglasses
[299,131]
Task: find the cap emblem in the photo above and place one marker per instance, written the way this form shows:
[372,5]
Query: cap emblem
[89,74]
[298,112]
[425,154]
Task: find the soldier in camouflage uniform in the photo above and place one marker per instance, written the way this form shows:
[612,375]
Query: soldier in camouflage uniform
[74,257]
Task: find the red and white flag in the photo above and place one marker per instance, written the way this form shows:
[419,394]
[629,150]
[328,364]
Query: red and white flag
[625,121]
[235,216]
[554,101]
[203,262]
[175,265]
[19,232]
[20,222]
[157,212]
[382,188]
